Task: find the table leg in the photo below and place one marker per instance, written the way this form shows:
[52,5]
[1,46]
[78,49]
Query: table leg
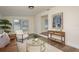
[22,38]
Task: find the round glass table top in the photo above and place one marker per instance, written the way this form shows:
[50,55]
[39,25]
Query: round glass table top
[36,44]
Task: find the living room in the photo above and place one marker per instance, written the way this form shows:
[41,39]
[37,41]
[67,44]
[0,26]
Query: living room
[39,19]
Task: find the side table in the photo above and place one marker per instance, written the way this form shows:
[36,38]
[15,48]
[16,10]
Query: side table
[12,36]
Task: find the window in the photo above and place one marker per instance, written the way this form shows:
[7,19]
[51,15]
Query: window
[21,25]
[25,25]
[17,24]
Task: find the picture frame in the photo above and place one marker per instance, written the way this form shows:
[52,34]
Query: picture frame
[58,21]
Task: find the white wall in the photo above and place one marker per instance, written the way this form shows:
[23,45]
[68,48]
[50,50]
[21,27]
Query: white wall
[70,23]
[0,16]
[38,21]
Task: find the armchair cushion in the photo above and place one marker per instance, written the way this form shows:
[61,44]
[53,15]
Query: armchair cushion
[20,33]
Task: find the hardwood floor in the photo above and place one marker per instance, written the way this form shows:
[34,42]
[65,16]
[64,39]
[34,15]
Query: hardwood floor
[60,46]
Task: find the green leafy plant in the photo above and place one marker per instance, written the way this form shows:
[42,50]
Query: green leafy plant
[5,25]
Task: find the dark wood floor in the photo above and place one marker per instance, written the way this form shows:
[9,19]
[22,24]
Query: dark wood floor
[60,46]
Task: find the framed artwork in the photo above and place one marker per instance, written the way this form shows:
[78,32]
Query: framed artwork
[58,21]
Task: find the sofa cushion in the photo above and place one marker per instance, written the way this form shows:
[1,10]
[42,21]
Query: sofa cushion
[4,40]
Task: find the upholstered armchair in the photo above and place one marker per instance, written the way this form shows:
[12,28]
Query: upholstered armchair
[20,35]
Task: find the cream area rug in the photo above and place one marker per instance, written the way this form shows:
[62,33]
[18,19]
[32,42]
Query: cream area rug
[23,47]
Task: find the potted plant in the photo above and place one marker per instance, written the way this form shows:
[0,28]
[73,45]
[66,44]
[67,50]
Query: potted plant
[5,25]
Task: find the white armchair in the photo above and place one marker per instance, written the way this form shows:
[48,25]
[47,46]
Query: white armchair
[20,35]
[4,40]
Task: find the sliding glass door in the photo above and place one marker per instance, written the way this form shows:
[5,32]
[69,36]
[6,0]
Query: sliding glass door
[44,23]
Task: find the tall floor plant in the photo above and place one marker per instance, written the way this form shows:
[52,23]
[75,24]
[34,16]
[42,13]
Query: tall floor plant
[5,25]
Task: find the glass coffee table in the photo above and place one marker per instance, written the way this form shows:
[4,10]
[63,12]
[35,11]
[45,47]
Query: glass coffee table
[35,44]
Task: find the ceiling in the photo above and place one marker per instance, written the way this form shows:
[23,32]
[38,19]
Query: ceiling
[22,10]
